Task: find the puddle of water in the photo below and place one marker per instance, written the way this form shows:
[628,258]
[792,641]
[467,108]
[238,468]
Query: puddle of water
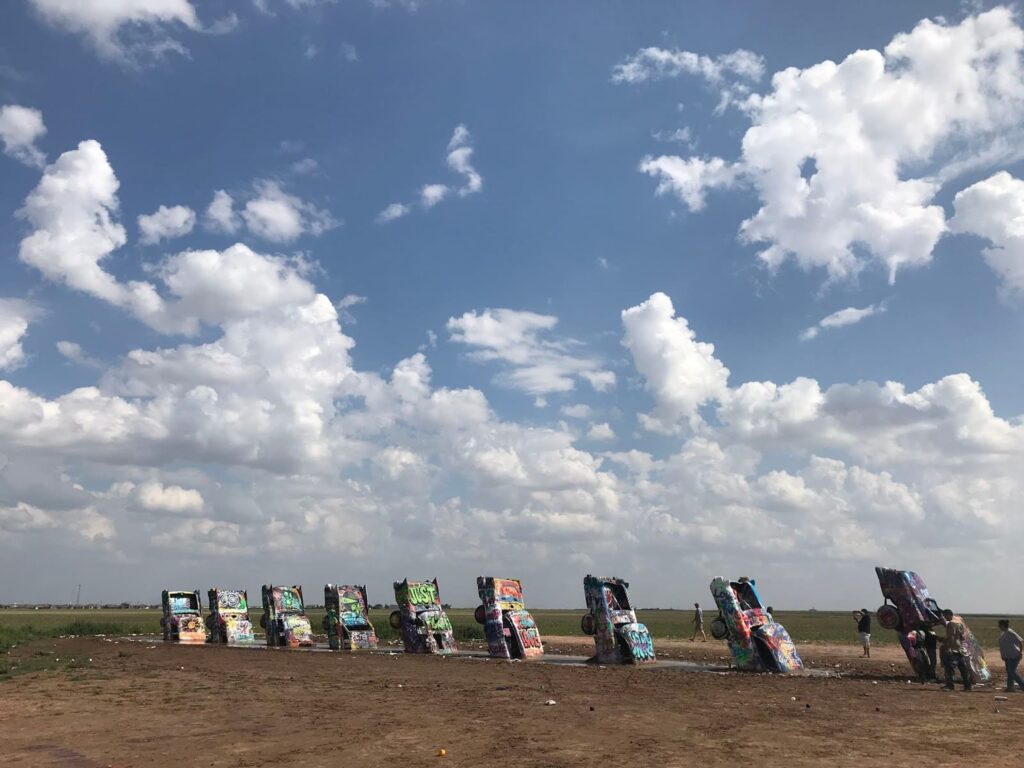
[64,756]
[565,660]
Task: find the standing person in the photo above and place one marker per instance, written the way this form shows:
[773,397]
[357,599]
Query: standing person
[698,623]
[1011,649]
[953,650]
[863,619]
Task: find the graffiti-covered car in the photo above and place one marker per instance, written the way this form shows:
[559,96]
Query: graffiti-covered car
[619,637]
[182,619]
[284,617]
[347,622]
[910,609]
[422,621]
[756,641]
[228,621]
[510,629]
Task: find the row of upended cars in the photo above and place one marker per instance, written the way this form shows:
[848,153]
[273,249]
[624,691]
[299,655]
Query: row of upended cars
[422,621]
[756,641]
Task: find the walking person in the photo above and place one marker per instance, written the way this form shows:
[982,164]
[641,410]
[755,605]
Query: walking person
[863,618]
[953,651]
[1011,649]
[698,623]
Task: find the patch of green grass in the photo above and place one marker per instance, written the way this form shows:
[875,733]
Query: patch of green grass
[21,626]
[18,630]
[40,661]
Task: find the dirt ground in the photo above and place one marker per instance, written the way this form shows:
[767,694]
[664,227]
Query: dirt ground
[150,704]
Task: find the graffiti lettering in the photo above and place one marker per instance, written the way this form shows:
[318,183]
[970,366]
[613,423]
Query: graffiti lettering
[640,644]
[422,594]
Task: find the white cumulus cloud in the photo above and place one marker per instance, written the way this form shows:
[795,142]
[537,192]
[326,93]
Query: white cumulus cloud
[122,30]
[73,351]
[846,158]
[994,209]
[15,317]
[689,178]
[841,318]
[392,212]
[681,372]
[535,365]
[460,160]
[658,63]
[432,194]
[166,223]
[275,215]
[732,74]
[20,128]
[599,432]
[220,214]
[168,498]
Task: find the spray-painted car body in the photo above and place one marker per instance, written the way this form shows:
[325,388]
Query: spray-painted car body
[910,609]
[756,641]
[422,621]
[510,629]
[347,622]
[284,617]
[182,620]
[618,636]
[228,621]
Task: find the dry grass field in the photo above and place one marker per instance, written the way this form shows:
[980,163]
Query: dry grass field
[92,702]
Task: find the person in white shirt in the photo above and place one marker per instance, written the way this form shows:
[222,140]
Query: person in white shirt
[698,623]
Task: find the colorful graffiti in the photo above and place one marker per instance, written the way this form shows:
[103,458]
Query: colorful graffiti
[347,622]
[228,621]
[916,617]
[182,619]
[421,619]
[284,617]
[756,641]
[510,629]
[618,636]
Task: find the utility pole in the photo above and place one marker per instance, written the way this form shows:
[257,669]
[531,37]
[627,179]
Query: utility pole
[78,598]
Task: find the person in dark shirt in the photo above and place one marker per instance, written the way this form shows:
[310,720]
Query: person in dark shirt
[863,618]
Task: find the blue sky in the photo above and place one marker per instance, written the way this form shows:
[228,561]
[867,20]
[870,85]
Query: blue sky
[334,111]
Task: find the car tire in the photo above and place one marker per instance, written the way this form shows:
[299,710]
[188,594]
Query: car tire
[395,620]
[719,629]
[480,615]
[888,617]
[587,624]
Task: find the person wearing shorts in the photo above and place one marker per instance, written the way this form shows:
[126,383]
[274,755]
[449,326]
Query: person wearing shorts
[863,617]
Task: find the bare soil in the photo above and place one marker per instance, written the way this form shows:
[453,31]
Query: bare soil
[150,704]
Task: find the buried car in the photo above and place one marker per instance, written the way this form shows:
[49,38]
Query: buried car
[915,615]
[182,620]
[347,622]
[756,641]
[228,621]
[421,619]
[510,629]
[284,617]
[619,637]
